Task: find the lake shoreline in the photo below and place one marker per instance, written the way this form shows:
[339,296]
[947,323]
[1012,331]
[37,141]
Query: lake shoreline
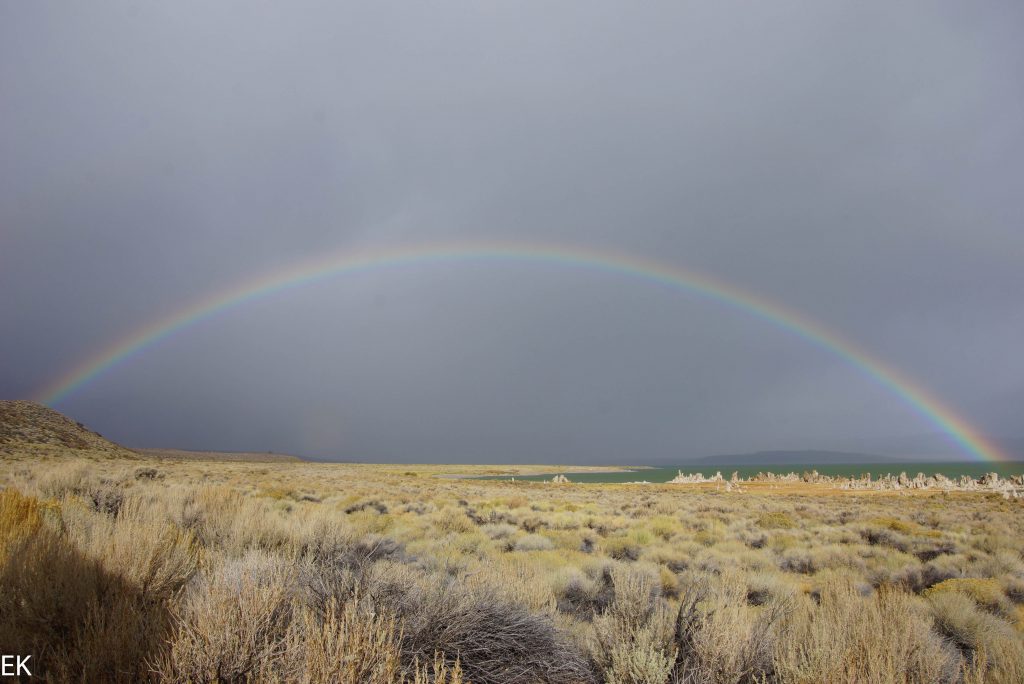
[594,470]
[662,475]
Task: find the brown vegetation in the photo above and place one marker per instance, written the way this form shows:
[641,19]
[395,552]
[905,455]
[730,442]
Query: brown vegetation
[191,571]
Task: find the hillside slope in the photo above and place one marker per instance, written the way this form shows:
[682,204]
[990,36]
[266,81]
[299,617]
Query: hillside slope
[30,428]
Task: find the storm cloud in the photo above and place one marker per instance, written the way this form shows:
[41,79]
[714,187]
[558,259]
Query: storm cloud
[860,162]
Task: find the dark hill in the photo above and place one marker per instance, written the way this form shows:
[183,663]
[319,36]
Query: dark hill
[30,428]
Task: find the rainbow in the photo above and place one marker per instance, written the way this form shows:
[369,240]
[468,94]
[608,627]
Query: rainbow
[355,262]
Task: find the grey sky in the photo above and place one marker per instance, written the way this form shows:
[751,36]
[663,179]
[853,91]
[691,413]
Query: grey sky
[860,162]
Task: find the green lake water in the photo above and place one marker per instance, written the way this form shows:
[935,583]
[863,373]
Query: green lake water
[949,469]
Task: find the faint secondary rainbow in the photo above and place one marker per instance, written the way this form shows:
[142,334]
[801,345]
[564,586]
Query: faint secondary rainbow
[638,268]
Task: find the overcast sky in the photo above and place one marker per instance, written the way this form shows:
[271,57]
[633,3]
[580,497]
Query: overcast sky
[861,162]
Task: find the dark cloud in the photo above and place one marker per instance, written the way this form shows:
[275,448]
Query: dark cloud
[860,163]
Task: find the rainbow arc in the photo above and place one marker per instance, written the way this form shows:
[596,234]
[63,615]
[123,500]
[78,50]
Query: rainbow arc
[622,265]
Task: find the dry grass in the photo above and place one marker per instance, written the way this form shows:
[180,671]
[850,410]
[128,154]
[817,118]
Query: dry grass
[196,571]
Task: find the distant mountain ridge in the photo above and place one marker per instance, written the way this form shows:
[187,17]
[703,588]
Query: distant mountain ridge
[932,446]
[192,455]
[809,457]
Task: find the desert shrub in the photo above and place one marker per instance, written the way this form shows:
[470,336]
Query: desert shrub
[371,504]
[918,578]
[46,586]
[515,502]
[984,640]
[763,587]
[883,637]
[533,523]
[929,552]
[720,638]
[232,624]
[987,593]
[781,542]
[439,672]
[664,527]
[776,520]
[669,582]
[499,530]
[147,474]
[105,499]
[493,516]
[894,524]
[582,595]
[452,520]
[69,480]
[996,540]
[143,549]
[587,544]
[514,579]
[641,660]
[799,561]
[277,492]
[324,538]
[418,508]
[885,537]
[675,558]
[344,645]
[1003,561]
[370,521]
[707,537]
[86,594]
[641,537]
[223,518]
[1013,587]
[756,541]
[622,548]
[496,641]
[101,494]
[534,542]
[332,571]
[321,584]
[565,521]
[632,638]
[21,517]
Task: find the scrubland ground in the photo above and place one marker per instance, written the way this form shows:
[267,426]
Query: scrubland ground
[188,571]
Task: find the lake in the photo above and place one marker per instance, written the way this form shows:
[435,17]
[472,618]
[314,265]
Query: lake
[949,469]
